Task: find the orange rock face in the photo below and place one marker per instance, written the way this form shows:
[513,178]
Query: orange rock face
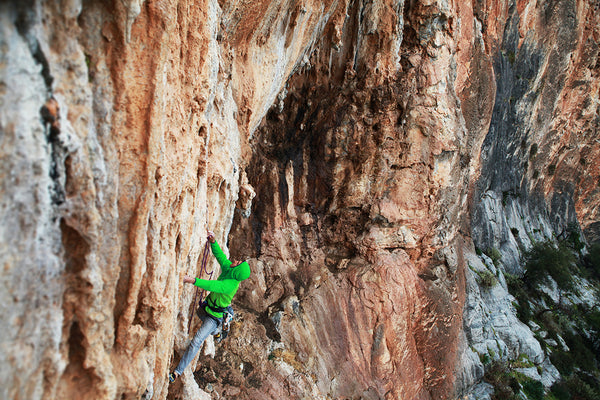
[341,147]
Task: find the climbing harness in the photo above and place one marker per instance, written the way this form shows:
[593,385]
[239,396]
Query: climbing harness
[222,323]
[224,331]
[203,292]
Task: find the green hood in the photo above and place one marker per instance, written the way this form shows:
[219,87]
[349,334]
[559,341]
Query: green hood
[241,272]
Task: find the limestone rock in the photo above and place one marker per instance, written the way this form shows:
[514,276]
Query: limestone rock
[355,153]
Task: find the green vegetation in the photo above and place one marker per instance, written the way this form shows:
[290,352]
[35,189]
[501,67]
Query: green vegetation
[574,238]
[508,383]
[560,391]
[577,325]
[533,389]
[494,254]
[591,263]
[505,385]
[486,279]
[485,358]
[88,63]
[517,288]
[544,260]
[573,388]
[522,361]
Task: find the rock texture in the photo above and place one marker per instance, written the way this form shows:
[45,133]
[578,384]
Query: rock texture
[356,152]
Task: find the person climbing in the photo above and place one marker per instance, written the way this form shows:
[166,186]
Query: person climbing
[221,291]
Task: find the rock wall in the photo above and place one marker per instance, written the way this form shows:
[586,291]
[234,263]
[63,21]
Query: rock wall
[356,152]
[535,177]
[544,123]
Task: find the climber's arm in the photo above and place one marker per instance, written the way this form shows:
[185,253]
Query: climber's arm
[224,286]
[219,255]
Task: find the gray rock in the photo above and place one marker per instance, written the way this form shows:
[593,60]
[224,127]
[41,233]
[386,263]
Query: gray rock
[481,391]
[534,327]
[491,322]
[530,372]
[562,342]
[493,329]
[549,374]
[473,369]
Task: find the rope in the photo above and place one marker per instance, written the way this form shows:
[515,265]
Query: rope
[203,292]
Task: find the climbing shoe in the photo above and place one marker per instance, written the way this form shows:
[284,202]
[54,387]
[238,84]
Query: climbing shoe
[173,377]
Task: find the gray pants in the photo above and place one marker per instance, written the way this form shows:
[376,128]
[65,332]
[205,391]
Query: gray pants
[209,327]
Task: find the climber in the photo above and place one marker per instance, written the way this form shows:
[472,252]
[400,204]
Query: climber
[222,291]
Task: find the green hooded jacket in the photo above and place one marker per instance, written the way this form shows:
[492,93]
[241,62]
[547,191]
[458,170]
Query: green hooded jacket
[226,285]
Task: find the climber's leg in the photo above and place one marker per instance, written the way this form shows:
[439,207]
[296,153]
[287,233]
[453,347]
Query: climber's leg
[209,325]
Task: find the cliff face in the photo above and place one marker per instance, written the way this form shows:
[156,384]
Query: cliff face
[354,152]
[545,119]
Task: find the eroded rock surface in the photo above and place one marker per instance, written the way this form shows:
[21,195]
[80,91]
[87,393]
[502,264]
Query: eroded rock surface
[355,152]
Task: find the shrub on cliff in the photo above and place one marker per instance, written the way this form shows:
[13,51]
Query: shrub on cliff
[591,262]
[517,288]
[577,324]
[573,238]
[494,254]
[592,319]
[582,390]
[544,260]
[508,384]
[486,279]
[533,389]
[505,385]
[560,391]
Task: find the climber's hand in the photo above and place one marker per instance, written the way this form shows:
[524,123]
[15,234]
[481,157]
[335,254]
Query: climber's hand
[211,237]
[189,279]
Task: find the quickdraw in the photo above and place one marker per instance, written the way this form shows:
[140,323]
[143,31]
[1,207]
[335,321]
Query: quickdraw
[203,292]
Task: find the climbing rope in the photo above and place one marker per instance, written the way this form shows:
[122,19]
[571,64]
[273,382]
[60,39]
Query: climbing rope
[203,271]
